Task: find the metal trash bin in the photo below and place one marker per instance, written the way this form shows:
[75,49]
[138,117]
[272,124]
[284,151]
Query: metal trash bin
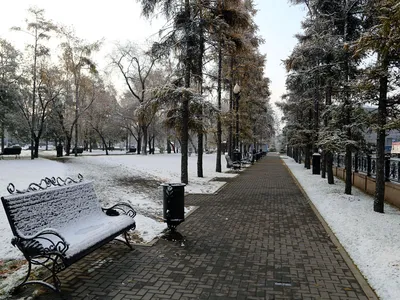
[59,149]
[173,204]
[316,163]
[236,156]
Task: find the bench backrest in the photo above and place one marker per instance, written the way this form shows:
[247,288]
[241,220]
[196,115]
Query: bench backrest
[229,162]
[54,207]
[78,150]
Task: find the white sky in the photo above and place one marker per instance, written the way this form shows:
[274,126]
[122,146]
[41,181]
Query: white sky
[120,20]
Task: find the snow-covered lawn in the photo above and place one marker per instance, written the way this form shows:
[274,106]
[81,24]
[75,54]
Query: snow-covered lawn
[129,178]
[371,239]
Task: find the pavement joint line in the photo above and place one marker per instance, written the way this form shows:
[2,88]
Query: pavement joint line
[369,292]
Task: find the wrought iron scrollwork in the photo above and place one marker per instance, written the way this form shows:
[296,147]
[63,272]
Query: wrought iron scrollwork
[124,208]
[44,184]
[45,242]
[47,249]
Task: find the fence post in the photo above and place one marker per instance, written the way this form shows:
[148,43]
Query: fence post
[356,162]
[398,172]
[387,168]
[368,165]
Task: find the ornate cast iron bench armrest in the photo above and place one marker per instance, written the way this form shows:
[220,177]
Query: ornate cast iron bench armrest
[46,248]
[46,242]
[124,208]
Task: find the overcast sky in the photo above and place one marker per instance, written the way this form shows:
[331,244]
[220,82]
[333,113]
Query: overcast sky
[120,20]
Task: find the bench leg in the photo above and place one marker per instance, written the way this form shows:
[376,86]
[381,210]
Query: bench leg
[126,241]
[53,268]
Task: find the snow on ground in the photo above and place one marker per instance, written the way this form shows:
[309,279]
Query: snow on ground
[128,178]
[371,239]
[118,177]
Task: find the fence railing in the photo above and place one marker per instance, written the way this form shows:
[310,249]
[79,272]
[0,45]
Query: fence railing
[367,164]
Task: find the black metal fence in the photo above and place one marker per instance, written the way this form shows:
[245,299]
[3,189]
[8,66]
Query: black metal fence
[367,164]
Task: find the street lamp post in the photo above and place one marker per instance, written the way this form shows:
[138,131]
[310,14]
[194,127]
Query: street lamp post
[32,139]
[236,91]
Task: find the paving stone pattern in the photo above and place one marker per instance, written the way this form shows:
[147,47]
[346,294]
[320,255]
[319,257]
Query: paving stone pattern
[258,238]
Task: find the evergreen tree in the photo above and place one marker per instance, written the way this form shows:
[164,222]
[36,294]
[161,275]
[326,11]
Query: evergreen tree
[382,37]
[9,60]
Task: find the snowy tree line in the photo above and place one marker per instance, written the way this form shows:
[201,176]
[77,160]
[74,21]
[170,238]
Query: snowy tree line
[178,92]
[346,58]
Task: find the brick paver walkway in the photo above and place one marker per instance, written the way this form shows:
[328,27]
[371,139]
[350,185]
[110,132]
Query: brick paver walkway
[258,238]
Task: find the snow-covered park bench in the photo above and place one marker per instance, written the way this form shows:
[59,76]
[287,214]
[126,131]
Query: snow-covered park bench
[11,151]
[57,222]
[78,150]
[232,164]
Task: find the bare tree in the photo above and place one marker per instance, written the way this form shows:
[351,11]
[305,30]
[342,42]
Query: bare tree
[39,29]
[76,58]
[136,69]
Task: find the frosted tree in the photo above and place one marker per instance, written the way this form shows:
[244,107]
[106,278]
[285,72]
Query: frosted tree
[102,117]
[77,63]
[232,33]
[330,28]
[382,37]
[180,14]
[137,68]
[9,77]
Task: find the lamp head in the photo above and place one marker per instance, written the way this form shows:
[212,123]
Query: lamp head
[236,89]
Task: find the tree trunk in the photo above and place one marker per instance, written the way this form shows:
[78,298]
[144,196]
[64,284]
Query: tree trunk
[323,164]
[316,158]
[34,95]
[329,166]
[185,102]
[347,108]
[200,138]
[327,161]
[200,152]
[3,132]
[380,142]
[307,158]
[36,152]
[144,147]
[231,143]
[139,143]
[348,181]
[76,117]
[104,144]
[168,146]
[153,138]
[299,155]
[68,145]
[219,125]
